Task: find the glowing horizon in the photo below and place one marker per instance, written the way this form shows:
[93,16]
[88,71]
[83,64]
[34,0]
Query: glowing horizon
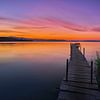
[50,19]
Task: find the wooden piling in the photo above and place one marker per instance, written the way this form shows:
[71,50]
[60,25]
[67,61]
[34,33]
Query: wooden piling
[67,70]
[91,72]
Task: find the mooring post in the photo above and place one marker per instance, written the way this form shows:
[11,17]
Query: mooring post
[70,51]
[91,72]
[67,70]
[84,51]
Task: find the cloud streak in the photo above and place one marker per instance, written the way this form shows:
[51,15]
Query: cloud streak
[45,23]
[67,25]
[96,29]
[22,27]
[8,19]
[10,31]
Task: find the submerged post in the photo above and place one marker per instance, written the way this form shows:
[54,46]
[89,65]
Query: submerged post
[91,72]
[67,70]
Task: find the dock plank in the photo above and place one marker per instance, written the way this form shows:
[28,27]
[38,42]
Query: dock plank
[78,86]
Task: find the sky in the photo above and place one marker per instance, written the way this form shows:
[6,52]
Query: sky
[50,19]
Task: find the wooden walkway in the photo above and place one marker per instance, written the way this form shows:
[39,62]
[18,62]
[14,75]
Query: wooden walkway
[78,86]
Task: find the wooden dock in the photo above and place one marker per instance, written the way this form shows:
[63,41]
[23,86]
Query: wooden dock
[79,84]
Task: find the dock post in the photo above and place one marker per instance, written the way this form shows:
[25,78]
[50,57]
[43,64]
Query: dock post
[91,72]
[84,51]
[70,51]
[67,70]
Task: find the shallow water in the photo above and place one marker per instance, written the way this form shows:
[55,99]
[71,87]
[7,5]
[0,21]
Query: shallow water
[33,71]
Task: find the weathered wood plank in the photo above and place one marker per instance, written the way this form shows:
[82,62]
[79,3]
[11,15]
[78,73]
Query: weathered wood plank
[80,89]
[74,96]
[81,84]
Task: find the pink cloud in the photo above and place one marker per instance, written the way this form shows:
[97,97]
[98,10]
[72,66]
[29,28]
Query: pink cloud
[66,24]
[48,22]
[96,29]
[22,27]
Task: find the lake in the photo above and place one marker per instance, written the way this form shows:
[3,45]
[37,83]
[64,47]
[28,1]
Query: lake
[34,71]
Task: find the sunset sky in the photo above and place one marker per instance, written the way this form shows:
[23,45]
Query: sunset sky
[50,19]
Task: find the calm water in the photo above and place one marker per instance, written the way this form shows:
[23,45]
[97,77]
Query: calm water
[33,71]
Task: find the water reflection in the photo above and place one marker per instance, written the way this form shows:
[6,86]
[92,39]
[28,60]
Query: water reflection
[91,48]
[33,71]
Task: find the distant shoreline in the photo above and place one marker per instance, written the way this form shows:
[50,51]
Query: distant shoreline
[20,39]
[44,41]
